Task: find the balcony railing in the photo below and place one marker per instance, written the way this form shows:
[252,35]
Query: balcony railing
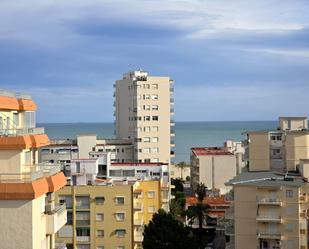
[138,222]
[21,132]
[82,223]
[269,201]
[83,238]
[31,173]
[60,245]
[269,235]
[138,238]
[138,206]
[268,218]
[56,219]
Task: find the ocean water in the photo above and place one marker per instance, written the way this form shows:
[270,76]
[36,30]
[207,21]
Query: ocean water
[187,134]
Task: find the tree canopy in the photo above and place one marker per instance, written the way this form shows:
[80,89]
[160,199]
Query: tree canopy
[165,232]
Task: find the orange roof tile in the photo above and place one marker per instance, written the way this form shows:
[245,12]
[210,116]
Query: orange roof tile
[23,142]
[11,103]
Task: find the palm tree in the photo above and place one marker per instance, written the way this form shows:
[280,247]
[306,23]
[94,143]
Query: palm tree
[182,165]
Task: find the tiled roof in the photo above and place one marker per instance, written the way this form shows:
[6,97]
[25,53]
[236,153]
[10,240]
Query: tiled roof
[209,151]
[212,201]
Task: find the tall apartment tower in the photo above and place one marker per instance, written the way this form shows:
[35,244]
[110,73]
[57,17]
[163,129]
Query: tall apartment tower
[29,216]
[144,107]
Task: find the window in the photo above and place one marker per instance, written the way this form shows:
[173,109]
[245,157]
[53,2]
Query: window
[155,128]
[146,96]
[69,218]
[99,200]
[154,96]
[147,118]
[289,193]
[120,216]
[155,150]
[289,227]
[146,86]
[146,150]
[147,160]
[155,107]
[155,139]
[147,129]
[138,140]
[155,118]
[151,209]
[120,232]
[151,194]
[154,86]
[99,217]
[147,107]
[100,233]
[119,200]
[67,200]
[82,202]
[147,139]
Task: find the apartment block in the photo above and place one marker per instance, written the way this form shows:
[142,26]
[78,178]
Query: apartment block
[143,111]
[271,200]
[29,217]
[99,216]
[213,166]
[278,150]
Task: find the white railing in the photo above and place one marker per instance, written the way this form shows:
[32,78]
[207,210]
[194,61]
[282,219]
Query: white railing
[21,132]
[268,200]
[31,173]
[83,238]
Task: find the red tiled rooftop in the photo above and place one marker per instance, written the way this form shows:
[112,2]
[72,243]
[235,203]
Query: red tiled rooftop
[210,151]
[211,201]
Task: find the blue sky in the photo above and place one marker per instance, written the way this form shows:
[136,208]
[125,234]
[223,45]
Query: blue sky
[231,60]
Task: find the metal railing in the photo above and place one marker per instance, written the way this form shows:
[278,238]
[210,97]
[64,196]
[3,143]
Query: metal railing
[57,210]
[60,245]
[268,200]
[31,173]
[21,132]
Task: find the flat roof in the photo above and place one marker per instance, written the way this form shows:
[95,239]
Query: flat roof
[293,118]
[267,179]
[209,151]
[138,164]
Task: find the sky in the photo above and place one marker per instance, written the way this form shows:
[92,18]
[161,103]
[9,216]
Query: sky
[231,60]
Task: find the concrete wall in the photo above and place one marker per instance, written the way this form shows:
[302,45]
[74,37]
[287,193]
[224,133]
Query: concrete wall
[259,152]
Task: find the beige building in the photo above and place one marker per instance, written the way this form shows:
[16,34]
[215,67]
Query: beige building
[99,216]
[29,218]
[271,200]
[279,150]
[213,166]
[143,110]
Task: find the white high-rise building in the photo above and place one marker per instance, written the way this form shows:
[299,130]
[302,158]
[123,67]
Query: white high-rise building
[143,111]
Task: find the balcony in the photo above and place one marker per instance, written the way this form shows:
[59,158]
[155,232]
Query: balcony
[138,238]
[82,223]
[172,122]
[60,245]
[31,173]
[172,111]
[21,132]
[138,206]
[303,198]
[138,222]
[172,100]
[172,89]
[56,219]
[266,218]
[269,201]
[83,238]
[269,235]
[172,131]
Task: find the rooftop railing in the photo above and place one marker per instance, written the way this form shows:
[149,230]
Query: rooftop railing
[21,132]
[14,95]
[31,173]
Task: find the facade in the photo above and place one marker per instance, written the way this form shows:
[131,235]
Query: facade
[29,218]
[99,216]
[271,200]
[279,150]
[213,166]
[143,110]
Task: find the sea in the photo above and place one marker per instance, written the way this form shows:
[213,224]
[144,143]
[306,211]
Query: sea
[187,134]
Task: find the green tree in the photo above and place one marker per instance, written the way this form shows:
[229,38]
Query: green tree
[182,165]
[166,232]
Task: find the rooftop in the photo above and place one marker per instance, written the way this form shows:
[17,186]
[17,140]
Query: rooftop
[210,151]
[208,201]
[138,164]
[267,179]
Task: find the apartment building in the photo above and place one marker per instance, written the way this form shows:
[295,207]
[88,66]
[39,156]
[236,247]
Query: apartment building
[213,166]
[278,150]
[271,200]
[100,216]
[143,110]
[29,218]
